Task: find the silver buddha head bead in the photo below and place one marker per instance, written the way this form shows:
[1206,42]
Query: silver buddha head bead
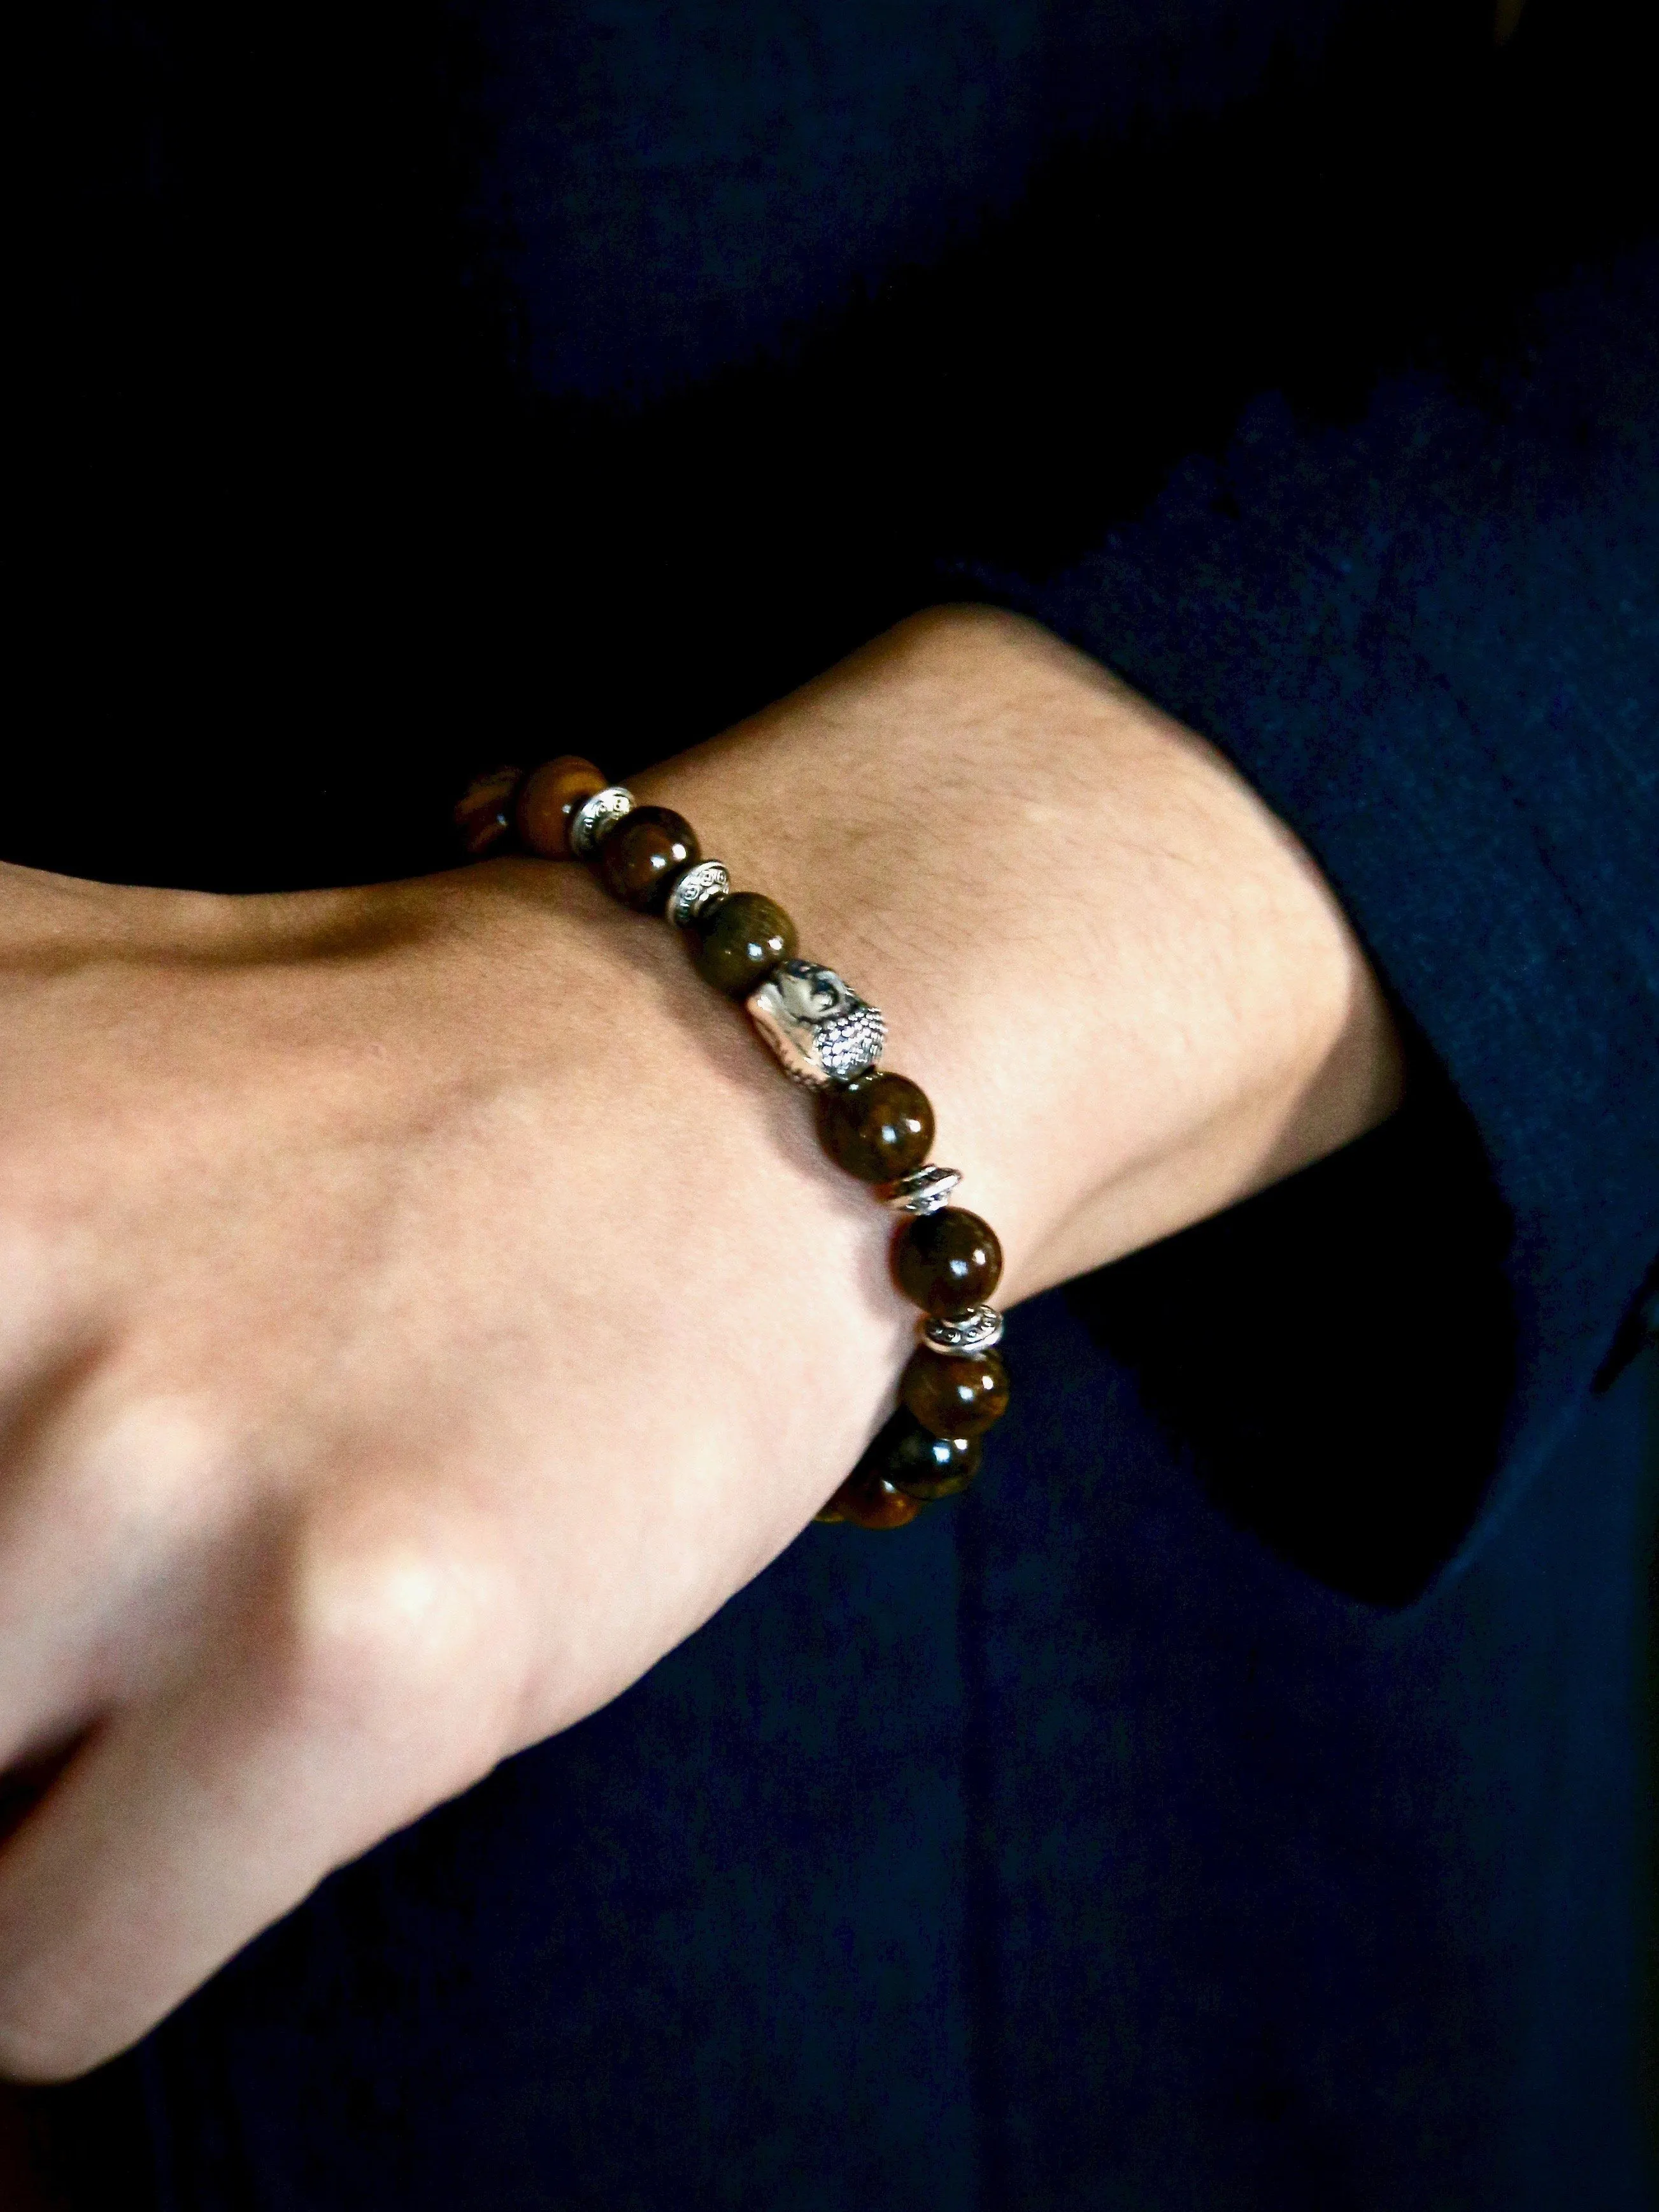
[821,1031]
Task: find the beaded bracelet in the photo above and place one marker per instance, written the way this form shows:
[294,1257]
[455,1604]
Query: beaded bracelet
[875,1124]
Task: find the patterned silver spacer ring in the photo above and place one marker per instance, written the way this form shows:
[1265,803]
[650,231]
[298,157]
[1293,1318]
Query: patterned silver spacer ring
[597,817]
[697,890]
[964,1335]
[924,1190]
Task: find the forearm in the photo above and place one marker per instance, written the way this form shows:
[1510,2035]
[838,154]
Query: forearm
[1127,989]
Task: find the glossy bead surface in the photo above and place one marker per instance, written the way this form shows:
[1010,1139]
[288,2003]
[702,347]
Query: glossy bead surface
[645,856]
[946,1262]
[954,1397]
[551,794]
[877,1127]
[923,1464]
[867,1499]
[484,814]
[741,942]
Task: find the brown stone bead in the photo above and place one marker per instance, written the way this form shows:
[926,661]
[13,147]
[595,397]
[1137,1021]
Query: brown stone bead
[645,856]
[484,814]
[877,1127]
[551,795]
[946,1262]
[954,1397]
[923,1464]
[867,1499]
[741,941]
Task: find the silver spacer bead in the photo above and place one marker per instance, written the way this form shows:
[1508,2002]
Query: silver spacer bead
[820,1029]
[697,890]
[924,1190]
[597,817]
[964,1335]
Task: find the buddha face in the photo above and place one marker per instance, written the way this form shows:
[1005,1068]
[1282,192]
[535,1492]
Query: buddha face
[811,994]
[821,1031]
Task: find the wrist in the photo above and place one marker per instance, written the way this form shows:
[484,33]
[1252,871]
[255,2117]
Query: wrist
[1129,994]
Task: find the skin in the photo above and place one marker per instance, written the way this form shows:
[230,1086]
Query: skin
[426,1304]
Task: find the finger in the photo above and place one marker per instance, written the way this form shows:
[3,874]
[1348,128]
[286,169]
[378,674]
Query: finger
[108,1519]
[375,1674]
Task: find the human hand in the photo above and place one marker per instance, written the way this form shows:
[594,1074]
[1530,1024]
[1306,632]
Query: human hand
[423,1306]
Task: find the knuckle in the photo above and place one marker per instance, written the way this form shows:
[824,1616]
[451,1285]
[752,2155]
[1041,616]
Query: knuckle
[390,1605]
[35,2054]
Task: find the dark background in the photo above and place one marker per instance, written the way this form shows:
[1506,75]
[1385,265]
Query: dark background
[325,492]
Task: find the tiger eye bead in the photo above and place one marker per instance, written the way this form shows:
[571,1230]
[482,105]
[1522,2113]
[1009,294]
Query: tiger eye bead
[946,1262]
[483,815]
[954,1397]
[738,942]
[646,854]
[867,1499]
[877,1127]
[923,1464]
[549,798]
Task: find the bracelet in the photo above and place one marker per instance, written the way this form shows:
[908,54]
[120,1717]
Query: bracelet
[876,1125]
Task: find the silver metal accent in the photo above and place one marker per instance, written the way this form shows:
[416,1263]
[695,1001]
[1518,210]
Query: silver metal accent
[698,889]
[964,1335]
[597,817]
[924,1190]
[819,1026]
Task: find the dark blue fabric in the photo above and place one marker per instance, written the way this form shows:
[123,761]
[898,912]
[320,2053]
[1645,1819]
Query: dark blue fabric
[1431,641]
[757,167]
[1154,1829]
[1077,1853]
